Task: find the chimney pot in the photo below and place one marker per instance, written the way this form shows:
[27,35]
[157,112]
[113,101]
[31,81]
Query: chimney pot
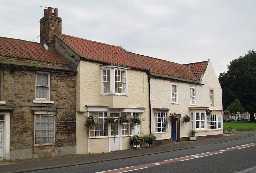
[50,25]
[56,12]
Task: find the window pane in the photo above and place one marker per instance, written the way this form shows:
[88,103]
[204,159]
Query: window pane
[42,86]
[197,124]
[197,116]
[101,124]
[44,129]
[106,80]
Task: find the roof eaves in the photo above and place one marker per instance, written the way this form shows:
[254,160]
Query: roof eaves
[175,78]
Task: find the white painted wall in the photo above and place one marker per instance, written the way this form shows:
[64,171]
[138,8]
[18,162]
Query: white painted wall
[161,98]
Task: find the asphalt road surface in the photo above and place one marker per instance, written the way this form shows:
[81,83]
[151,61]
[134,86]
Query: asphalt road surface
[224,157]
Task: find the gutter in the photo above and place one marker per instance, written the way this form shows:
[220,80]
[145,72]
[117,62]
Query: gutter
[149,102]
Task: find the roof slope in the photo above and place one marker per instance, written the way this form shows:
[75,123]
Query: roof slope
[26,50]
[198,68]
[116,55]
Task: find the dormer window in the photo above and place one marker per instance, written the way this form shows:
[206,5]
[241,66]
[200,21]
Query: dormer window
[114,81]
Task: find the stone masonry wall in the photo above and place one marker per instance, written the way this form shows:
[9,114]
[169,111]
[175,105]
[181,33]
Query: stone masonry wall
[19,91]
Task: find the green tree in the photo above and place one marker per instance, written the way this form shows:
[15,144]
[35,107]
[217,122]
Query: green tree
[239,82]
[235,107]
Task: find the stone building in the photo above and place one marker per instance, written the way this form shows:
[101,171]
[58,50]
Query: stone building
[37,98]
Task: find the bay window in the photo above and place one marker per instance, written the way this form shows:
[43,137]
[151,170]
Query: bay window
[106,80]
[126,129]
[214,121]
[198,119]
[160,121]
[114,80]
[101,124]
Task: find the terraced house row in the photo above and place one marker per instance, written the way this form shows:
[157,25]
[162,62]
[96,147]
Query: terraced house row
[69,95]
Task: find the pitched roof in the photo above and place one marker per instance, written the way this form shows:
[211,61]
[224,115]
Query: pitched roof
[26,50]
[115,55]
[198,68]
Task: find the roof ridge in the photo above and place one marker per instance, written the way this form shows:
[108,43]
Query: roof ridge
[196,62]
[98,42]
[146,56]
[18,39]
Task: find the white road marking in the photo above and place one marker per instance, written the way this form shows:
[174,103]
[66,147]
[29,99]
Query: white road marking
[182,159]
[248,170]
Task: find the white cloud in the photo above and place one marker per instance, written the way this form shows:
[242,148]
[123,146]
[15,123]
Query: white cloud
[182,31]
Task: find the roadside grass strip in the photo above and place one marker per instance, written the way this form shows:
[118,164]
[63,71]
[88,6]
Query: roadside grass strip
[177,159]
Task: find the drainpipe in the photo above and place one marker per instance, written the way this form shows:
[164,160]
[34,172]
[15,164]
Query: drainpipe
[149,101]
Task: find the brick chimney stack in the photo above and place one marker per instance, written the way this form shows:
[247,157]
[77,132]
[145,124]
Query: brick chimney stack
[50,25]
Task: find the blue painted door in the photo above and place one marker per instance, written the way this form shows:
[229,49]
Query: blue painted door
[174,130]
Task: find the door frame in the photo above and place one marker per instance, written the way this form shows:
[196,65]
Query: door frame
[177,122]
[6,151]
[119,136]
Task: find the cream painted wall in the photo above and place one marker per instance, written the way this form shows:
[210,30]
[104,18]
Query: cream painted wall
[210,81]
[89,93]
[161,98]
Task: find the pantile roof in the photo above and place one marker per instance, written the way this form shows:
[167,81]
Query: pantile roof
[28,50]
[115,55]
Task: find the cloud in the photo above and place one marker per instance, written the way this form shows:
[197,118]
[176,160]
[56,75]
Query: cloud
[181,31]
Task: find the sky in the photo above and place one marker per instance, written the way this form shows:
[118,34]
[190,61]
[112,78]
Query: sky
[181,31]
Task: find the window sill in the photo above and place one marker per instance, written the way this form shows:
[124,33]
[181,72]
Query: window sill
[2,102]
[44,145]
[174,103]
[98,137]
[43,101]
[160,132]
[115,94]
[193,104]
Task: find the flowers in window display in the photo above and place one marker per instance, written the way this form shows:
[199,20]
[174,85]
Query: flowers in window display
[124,118]
[113,119]
[135,120]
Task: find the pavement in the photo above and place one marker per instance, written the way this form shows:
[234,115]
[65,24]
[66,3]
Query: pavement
[115,160]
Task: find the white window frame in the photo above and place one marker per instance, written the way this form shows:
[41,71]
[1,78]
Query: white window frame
[49,87]
[161,122]
[211,93]
[193,98]
[104,117]
[200,120]
[174,93]
[213,121]
[113,81]
[106,81]
[125,129]
[54,127]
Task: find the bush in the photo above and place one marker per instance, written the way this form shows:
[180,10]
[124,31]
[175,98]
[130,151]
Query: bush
[135,141]
[148,139]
